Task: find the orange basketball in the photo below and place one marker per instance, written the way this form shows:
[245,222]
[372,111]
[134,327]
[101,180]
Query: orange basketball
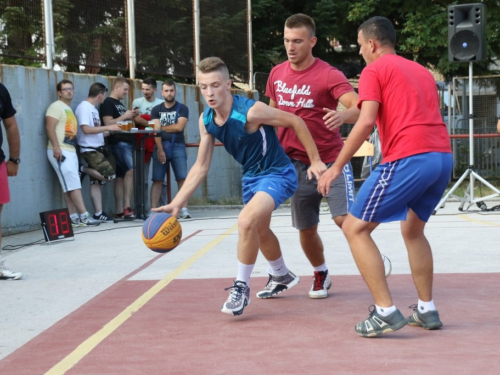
[161,232]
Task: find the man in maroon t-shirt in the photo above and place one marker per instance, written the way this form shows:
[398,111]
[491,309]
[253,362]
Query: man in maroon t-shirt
[311,89]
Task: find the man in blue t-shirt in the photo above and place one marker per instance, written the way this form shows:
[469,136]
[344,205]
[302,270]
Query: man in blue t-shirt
[245,127]
[170,117]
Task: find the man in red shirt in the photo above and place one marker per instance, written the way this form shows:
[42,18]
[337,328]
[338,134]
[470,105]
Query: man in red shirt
[400,96]
[311,89]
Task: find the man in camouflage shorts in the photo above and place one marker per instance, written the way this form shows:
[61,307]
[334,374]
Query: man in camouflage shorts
[91,140]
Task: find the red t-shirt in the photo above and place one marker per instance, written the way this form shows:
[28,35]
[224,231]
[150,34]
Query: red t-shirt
[409,120]
[305,93]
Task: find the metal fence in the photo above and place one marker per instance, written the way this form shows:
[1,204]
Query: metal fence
[486,112]
[91,36]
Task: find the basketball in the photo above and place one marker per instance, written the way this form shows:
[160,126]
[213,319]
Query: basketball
[161,232]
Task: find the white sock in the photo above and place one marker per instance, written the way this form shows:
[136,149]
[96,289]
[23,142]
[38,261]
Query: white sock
[98,213]
[385,311]
[323,267]
[423,307]
[73,216]
[83,216]
[244,272]
[277,267]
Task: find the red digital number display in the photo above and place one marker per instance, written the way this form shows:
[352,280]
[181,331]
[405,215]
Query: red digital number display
[56,224]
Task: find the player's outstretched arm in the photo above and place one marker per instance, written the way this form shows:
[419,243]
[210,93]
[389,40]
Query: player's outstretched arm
[356,137]
[196,174]
[263,114]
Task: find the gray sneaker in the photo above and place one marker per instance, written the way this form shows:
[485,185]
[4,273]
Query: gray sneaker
[6,273]
[89,220]
[239,297]
[377,325]
[428,320]
[278,284]
[75,223]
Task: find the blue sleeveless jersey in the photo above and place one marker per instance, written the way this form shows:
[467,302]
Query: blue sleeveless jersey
[259,153]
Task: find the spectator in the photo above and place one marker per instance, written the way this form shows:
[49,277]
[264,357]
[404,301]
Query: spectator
[61,126]
[91,142]
[170,117]
[9,168]
[144,106]
[111,111]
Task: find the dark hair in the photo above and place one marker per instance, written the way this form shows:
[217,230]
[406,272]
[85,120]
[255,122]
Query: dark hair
[301,20]
[168,82]
[63,82]
[380,29]
[96,89]
[150,81]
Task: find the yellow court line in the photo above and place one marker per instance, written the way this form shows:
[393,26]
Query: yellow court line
[468,218]
[88,345]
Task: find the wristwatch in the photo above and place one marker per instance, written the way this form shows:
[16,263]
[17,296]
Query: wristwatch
[15,160]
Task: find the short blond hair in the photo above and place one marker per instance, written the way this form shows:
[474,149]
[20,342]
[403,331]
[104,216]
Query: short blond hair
[213,64]
[120,81]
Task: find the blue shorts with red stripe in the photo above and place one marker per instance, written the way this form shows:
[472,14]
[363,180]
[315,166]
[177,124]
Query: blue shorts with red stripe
[417,182]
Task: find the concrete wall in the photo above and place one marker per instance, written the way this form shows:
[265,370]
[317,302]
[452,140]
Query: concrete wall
[36,188]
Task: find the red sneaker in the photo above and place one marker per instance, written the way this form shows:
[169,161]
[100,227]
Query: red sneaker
[128,213]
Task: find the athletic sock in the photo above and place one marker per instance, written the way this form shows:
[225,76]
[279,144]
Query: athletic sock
[277,267]
[423,307]
[74,216]
[98,213]
[84,215]
[385,311]
[323,268]
[244,272]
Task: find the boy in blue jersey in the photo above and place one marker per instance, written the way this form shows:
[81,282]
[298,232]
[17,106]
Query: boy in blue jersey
[245,127]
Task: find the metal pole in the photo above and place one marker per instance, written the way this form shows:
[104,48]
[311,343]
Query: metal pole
[250,46]
[471,120]
[131,38]
[49,33]
[196,10]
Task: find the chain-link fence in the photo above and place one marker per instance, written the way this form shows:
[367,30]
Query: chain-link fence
[91,36]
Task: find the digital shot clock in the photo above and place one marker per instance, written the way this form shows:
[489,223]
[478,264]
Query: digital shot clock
[56,225]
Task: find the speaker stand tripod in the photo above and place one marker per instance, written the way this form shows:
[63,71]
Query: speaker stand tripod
[468,197]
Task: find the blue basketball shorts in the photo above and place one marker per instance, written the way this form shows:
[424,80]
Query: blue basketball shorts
[417,182]
[280,185]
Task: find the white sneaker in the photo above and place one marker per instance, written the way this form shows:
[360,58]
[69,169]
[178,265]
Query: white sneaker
[321,284]
[184,213]
[6,273]
[89,220]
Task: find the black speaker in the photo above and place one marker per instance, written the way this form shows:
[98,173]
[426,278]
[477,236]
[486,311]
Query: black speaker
[467,32]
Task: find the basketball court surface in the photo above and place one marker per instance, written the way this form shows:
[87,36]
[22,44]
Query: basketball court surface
[105,304]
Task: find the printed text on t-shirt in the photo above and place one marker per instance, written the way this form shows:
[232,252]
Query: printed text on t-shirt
[281,87]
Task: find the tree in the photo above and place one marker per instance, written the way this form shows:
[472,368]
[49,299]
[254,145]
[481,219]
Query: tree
[421,28]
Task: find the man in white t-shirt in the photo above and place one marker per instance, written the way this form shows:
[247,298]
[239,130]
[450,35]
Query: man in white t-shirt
[144,105]
[91,141]
[61,126]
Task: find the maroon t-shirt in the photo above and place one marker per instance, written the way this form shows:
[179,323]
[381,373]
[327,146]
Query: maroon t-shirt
[305,93]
